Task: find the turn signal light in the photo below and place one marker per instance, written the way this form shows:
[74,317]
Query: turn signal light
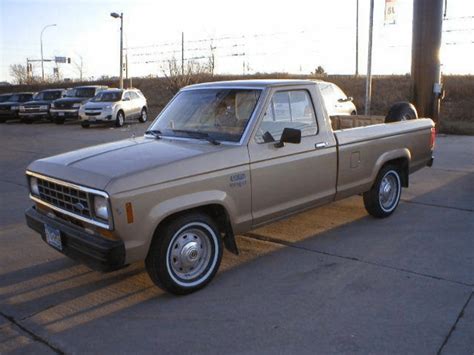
[129,210]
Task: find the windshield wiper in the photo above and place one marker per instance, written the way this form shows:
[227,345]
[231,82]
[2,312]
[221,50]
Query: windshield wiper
[197,134]
[155,133]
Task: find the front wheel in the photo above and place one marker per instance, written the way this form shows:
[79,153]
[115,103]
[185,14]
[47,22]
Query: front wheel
[185,254]
[119,121]
[143,116]
[383,198]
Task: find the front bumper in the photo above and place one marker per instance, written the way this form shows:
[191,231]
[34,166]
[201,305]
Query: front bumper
[34,115]
[99,117]
[66,113]
[9,114]
[91,249]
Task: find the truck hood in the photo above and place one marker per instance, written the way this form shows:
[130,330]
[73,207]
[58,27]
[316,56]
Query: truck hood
[137,162]
[100,105]
[71,100]
[39,102]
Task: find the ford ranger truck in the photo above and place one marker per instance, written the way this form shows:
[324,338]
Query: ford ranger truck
[221,159]
[68,107]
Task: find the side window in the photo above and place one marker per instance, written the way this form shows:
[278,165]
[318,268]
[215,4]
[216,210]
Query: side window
[126,95]
[134,95]
[287,109]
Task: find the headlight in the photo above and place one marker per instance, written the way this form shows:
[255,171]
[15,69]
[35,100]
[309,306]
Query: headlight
[53,105]
[43,107]
[108,108]
[14,108]
[34,186]
[101,207]
[76,105]
[22,108]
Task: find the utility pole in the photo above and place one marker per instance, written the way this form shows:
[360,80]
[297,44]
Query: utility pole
[41,44]
[182,53]
[116,15]
[425,66]
[126,68]
[368,82]
[357,40]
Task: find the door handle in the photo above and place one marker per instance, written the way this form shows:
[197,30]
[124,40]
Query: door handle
[321,145]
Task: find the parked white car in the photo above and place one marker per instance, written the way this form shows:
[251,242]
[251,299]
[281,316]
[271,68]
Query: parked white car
[336,101]
[114,106]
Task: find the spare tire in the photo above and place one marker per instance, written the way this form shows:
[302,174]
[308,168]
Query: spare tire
[401,111]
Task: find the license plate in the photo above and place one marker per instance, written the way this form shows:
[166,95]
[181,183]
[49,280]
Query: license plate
[61,113]
[53,237]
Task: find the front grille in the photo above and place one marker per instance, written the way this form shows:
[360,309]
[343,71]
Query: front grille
[92,113]
[66,198]
[63,105]
[32,109]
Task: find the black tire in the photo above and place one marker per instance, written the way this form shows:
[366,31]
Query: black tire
[85,124]
[120,120]
[384,196]
[59,120]
[3,120]
[401,111]
[189,237]
[143,115]
[354,113]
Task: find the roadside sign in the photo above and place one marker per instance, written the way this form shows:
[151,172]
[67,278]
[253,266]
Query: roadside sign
[390,12]
[60,59]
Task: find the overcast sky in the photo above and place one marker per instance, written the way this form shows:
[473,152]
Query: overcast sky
[247,35]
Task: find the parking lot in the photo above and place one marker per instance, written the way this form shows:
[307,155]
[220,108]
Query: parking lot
[330,280]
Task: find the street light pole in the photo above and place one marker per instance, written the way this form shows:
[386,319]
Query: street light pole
[368,81]
[41,43]
[116,15]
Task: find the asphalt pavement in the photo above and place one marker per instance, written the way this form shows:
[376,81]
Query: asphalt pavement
[330,280]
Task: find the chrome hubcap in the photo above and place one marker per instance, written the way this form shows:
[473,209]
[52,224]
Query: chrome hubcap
[190,253]
[388,192]
[144,116]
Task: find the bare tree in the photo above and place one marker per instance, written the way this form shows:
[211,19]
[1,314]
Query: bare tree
[193,72]
[19,74]
[79,66]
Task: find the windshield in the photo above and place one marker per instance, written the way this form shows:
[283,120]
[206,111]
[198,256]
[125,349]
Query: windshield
[4,98]
[221,114]
[108,96]
[48,95]
[84,92]
[20,98]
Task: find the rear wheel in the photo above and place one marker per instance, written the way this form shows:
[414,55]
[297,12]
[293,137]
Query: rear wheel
[58,120]
[3,120]
[85,124]
[185,254]
[119,121]
[383,198]
[143,116]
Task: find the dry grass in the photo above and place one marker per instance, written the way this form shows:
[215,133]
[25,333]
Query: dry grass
[457,109]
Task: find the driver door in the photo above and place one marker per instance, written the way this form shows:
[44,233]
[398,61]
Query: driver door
[296,176]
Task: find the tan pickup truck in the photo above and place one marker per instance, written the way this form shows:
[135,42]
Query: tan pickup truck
[221,159]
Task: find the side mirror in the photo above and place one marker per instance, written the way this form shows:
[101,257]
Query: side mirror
[349,98]
[289,135]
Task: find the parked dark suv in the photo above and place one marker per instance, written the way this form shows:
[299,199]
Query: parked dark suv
[11,106]
[39,107]
[68,107]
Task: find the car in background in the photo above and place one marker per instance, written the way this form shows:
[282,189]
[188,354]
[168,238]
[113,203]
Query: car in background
[336,101]
[68,107]
[39,107]
[4,97]
[114,106]
[10,108]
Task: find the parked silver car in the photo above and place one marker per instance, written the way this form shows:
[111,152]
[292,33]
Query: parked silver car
[336,101]
[114,106]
